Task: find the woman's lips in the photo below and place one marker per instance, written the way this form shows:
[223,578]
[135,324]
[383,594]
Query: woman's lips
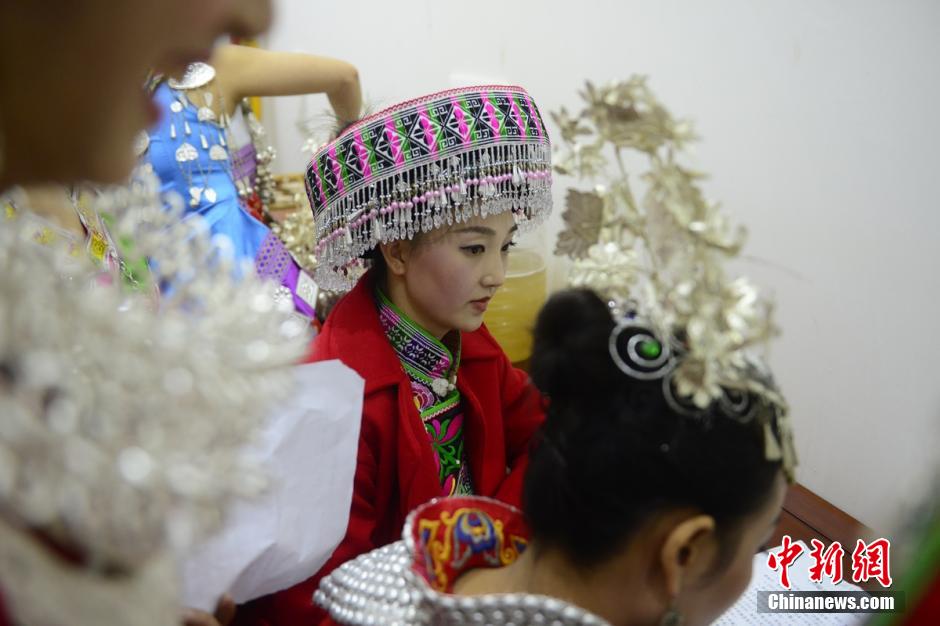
[481,304]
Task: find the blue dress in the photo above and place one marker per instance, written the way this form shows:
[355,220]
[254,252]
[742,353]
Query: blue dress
[190,155]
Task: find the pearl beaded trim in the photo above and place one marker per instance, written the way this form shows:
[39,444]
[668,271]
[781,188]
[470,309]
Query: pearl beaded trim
[381,587]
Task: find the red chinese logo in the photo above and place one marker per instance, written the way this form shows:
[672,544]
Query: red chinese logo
[869,561]
[789,552]
[828,563]
[872,561]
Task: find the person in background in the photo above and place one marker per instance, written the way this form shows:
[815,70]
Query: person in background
[432,191]
[192,149]
[638,508]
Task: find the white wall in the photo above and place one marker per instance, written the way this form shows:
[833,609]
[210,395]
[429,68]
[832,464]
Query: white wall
[820,127]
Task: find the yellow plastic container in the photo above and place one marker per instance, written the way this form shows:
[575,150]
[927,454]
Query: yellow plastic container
[511,314]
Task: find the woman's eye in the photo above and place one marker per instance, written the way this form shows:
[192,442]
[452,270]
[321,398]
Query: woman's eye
[474,250]
[509,245]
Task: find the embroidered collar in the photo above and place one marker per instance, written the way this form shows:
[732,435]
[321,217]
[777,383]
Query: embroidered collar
[426,359]
[449,536]
[409,582]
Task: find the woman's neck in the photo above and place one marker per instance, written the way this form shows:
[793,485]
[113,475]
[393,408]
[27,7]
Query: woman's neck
[534,572]
[549,573]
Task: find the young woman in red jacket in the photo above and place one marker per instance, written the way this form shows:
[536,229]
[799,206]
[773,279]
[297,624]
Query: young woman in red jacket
[432,191]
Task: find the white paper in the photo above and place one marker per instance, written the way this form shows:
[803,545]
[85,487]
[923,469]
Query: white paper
[275,541]
[744,611]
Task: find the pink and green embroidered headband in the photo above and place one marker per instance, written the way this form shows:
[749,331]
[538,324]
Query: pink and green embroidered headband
[424,163]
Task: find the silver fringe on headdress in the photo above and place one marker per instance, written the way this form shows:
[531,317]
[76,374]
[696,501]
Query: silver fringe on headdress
[422,164]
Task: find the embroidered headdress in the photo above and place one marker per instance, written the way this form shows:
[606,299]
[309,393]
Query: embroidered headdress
[424,163]
[659,261]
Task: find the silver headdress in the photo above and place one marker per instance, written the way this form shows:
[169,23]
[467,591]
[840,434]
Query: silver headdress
[125,419]
[659,261]
[421,164]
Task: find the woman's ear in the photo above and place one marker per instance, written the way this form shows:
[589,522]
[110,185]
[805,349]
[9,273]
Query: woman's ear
[688,547]
[395,254]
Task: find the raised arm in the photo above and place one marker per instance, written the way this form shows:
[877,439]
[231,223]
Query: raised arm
[244,72]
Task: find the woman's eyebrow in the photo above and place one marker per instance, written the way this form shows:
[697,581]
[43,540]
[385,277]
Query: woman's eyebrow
[483,230]
[479,230]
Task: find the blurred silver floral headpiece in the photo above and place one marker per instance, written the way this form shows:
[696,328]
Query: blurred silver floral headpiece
[125,420]
[659,262]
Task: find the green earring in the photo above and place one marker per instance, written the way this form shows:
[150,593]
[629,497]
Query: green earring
[672,617]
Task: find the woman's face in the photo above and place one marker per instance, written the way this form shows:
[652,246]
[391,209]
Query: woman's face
[71,93]
[704,602]
[676,559]
[449,276]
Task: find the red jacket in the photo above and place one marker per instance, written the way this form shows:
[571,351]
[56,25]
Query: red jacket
[396,468]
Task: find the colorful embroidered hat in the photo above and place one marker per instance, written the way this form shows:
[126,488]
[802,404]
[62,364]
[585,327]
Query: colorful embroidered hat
[421,164]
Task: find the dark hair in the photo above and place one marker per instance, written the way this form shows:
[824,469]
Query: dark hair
[377,260]
[613,452]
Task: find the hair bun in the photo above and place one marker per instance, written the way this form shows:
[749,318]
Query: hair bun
[568,355]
